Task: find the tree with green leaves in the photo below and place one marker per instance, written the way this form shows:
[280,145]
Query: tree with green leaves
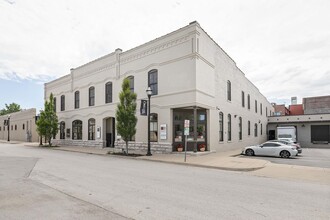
[13,107]
[125,113]
[47,124]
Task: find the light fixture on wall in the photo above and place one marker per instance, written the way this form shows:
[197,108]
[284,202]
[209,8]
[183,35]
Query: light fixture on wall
[235,116]
[303,125]
[259,121]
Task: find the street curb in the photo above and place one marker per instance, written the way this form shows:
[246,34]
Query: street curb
[204,166]
[167,162]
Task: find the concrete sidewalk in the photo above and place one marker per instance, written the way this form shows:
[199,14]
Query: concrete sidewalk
[223,161]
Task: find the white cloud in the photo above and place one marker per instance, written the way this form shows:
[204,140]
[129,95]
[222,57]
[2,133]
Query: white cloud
[282,46]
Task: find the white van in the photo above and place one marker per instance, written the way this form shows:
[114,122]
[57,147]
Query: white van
[287,133]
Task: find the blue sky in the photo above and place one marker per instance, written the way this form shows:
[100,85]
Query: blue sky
[281,46]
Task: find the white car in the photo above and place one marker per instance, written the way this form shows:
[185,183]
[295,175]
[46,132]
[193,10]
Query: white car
[271,149]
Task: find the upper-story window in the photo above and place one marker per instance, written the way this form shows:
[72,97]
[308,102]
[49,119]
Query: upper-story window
[54,100]
[249,127]
[91,96]
[228,90]
[229,127]
[248,100]
[260,108]
[131,83]
[260,129]
[76,99]
[62,103]
[256,106]
[243,99]
[108,92]
[266,111]
[153,81]
[220,126]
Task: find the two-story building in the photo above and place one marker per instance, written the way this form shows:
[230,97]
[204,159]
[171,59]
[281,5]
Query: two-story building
[191,77]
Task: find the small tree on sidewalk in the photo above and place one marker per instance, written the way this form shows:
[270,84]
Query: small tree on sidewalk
[47,125]
[125,113]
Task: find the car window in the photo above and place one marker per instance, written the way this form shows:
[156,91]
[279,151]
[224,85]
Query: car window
[269,144]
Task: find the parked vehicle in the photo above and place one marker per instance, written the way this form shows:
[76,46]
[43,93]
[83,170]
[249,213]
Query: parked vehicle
[289,142]
[271,149]
[286,133]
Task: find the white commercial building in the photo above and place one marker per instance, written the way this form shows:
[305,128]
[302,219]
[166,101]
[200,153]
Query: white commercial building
[19,126]
[192,78]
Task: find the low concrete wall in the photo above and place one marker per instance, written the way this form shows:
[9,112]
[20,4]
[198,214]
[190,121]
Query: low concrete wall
[155,147]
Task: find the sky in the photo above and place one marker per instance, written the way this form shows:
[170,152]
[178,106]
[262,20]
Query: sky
[283,47]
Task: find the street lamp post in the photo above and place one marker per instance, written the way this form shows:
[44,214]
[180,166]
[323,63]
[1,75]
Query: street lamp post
[149,93]
[8,124]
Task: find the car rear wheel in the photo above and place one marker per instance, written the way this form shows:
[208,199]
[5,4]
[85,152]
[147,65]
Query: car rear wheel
[285,154]
[249,152]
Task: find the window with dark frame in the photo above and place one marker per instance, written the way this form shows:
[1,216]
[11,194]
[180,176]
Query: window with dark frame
[229,127]
[91,129]
[108,92]
[91,95]
[249,128]
[243,99]
[256,106]
[248,100]
[54,100]
[153,127]
[228,90]
[153,81]
[260,108]
[77,130]
[131,83]
[260,129]
[240,128]
[256,130]
[266,111]
[62,103]
[62,130]
[220,126]
[77,99]
[23,127]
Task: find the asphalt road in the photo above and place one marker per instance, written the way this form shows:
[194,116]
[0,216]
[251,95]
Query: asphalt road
[311,157]
[47,184]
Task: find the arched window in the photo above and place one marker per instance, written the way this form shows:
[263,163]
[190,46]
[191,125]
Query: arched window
[91,129]
[256,105]
[249,128]
[248,99]
[108,92]
[77,130]
[76,99]
[62,103]
[91,95]
[255,130]
[228,90]
[220,126]
[153,81]
[62,130]
[131,83]
[229,127]
[153,127]
[240,128]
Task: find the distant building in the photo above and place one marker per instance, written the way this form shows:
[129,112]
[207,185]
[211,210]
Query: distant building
[280,110]
[296,109]
[317,105]
[191,76]
[311,119]
[22,126]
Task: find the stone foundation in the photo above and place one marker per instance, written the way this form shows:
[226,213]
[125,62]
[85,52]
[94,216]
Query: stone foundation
[81,143]
[155,147]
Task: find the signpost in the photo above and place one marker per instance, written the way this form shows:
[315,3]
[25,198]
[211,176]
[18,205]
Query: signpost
[186,133]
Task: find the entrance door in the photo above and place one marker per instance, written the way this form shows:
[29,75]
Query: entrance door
[271,135]
[110,132]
